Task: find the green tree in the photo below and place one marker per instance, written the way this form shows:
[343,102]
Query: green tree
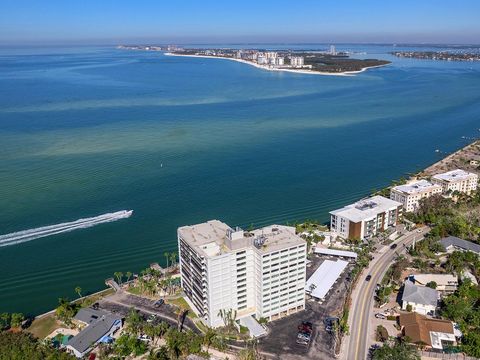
[119,276]
[66,310]
[159,354]
[17,319]
[5,320]
[134,322]
[396,350]
[128,274]
[78,290]
[22,345]
[167,256]
[431,285]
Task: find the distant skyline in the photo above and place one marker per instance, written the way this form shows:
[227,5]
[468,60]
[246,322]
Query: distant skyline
[34,22]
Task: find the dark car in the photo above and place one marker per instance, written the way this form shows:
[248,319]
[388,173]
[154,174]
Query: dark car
[393,246]
[159,303]
[368,277]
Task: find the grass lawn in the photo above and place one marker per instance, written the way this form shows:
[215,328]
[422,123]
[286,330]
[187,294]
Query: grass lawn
[135,290]
[182,304]
[44,326]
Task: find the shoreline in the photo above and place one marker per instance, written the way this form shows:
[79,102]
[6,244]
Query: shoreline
[297,71]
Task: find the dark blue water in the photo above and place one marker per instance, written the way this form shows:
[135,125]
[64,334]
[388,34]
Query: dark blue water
[86,131]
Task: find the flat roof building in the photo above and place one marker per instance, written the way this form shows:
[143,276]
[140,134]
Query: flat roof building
[444,282]
[258,273]
[456,180]
[411,193]
[365,218]
[319,284]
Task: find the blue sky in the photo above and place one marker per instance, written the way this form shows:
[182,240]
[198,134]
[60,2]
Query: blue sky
[188,21]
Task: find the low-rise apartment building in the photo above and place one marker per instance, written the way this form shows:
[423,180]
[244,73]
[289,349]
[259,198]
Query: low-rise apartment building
[411,193]
[259,273]
[456,180]
[365,218]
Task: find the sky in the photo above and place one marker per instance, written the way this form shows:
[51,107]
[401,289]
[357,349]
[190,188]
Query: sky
[40,22]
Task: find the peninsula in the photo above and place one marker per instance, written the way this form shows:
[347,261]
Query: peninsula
[328,62]
[438,55]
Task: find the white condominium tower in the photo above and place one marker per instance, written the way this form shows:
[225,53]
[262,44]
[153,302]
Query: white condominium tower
[411,193]
[456,180]
[296,61]
[258,273]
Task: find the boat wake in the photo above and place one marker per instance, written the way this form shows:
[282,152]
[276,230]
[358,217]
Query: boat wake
[32,234]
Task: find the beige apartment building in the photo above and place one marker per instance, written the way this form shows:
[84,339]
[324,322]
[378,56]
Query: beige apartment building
[411,193]
[456,180]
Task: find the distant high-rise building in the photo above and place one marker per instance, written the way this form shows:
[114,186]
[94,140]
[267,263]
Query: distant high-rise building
[333,51]
[296,61]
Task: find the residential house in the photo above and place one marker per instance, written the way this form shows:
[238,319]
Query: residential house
[422,300]
[444,282]
[429,333]
[99,326]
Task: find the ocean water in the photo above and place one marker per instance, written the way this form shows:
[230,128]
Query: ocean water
[88,131]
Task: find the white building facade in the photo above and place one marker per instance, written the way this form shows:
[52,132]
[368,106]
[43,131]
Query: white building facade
[297,61]
[411,193]
[456,180]
[259,273]
[365,218]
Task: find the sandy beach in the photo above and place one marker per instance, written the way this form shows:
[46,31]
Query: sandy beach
[298,71]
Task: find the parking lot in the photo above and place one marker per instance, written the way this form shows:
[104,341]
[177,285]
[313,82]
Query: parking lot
[282,336]
[122,302]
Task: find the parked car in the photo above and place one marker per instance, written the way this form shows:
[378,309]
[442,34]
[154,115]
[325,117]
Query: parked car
[380,316]
[145,338]
[368,277]
[159,303]
[151,318]
[304,334]
[393,246]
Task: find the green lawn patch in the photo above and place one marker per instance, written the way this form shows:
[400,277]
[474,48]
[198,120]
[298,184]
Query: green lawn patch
[41,327]
[182,304]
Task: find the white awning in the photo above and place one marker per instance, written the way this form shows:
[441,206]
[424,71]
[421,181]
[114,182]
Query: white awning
[256,330]
[322,280]
[324,251]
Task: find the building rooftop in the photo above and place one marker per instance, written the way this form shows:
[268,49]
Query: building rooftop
[322,280]
[421,329]
[93,332]
[440,279]
[419,294]
[415,187]
[460,243]
[367,208]
[214,238]
[89,315]
[453,175]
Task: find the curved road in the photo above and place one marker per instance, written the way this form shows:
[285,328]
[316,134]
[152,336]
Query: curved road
[356,345]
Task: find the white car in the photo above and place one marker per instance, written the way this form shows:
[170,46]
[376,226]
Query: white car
[145,338]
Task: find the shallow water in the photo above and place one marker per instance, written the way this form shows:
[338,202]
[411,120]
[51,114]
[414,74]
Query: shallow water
[89,131]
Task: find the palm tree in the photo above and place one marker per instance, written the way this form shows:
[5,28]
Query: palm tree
[173,257]
[119,276]
[129,275]
[209,337]
[78,290]
[166,254]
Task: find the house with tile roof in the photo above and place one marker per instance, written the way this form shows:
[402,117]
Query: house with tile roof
[430,333]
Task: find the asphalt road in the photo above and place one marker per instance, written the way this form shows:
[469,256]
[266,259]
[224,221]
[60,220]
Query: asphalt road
[356,345]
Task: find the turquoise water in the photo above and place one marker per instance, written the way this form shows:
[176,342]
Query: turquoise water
[88,131]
